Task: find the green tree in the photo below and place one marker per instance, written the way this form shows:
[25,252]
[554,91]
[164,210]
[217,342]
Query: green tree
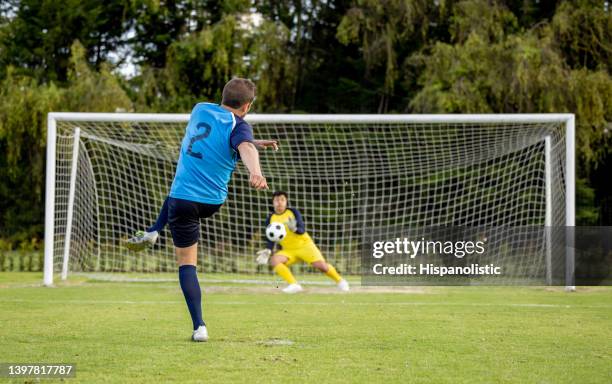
[92,91]
[24,105]
[198,65]
[158,23]
[386,31]
[37,39]
[493,70]
[583,33]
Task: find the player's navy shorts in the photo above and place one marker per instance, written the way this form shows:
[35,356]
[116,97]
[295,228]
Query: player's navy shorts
[184,220]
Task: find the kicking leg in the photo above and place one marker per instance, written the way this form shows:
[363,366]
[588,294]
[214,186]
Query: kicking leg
[162,219]
[146,239]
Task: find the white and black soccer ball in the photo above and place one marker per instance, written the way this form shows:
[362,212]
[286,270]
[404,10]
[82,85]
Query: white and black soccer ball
[275,232]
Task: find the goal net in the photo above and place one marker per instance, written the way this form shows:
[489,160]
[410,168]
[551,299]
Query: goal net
[350,176]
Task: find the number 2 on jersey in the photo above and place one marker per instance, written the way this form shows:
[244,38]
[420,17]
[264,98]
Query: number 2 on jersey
[199,137]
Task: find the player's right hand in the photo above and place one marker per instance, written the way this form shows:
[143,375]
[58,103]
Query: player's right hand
[263,256]
[265,144]
[258,182]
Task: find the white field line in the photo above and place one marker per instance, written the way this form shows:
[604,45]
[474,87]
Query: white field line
[313,303]
[204,280]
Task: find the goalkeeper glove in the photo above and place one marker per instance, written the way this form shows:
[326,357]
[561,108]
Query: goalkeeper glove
[292,225]
[263,256]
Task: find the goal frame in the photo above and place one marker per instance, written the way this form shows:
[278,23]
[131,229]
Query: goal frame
[567,119]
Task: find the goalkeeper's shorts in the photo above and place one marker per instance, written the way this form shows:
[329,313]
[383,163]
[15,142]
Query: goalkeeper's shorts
[308,254]
[184,220]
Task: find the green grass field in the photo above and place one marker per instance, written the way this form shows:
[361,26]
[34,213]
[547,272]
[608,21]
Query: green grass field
[139,332]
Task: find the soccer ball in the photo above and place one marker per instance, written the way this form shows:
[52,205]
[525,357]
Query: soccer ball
[275,232]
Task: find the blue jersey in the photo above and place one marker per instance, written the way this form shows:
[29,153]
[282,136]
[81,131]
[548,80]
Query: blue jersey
[209,153]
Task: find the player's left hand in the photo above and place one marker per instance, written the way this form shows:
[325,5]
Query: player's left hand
[265,144]
[292,224]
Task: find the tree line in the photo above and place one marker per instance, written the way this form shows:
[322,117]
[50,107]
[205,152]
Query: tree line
[315,56]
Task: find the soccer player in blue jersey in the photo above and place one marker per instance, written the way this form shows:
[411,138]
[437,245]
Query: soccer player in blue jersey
[296,246]
[215,139]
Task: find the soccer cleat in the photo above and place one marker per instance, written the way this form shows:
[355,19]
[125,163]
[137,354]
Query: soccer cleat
[200,334]
[343,285]
[142,240]
[293,288]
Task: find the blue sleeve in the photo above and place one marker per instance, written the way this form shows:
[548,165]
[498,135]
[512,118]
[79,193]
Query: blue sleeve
[301,226]
[269,244]
[242,132]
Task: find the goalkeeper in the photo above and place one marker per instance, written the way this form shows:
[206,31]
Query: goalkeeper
[296,246]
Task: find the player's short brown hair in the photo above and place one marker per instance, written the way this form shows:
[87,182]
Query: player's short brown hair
[237,92]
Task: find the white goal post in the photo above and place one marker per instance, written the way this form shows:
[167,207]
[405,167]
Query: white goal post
[108,173]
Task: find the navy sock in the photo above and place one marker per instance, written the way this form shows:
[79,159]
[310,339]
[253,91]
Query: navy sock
[162,219]
[193,295]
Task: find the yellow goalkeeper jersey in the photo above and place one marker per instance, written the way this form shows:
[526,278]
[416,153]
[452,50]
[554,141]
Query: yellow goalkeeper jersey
[294,240]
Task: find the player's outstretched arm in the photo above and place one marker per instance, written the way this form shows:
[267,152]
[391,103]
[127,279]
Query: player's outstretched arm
[250,158]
